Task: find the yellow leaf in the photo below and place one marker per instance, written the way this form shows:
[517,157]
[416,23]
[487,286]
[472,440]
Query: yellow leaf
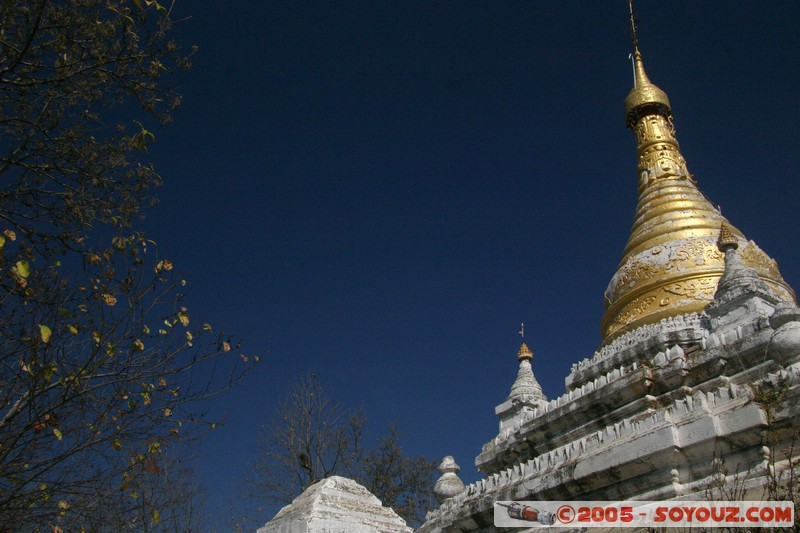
[72,330]
[184,318]
[141,137]
[116,444]
[57,433]
[167,412]
[156,516]
[118,242]
[10,234]
[63,505]
[207,327]
[226,347]
[49,370]
[23,269]
[138,345]
[145,330]
[45,332]
[2,241]
[109,299]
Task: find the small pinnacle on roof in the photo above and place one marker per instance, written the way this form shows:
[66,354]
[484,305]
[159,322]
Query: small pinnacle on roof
[727,240]
[525,388]
[449,484]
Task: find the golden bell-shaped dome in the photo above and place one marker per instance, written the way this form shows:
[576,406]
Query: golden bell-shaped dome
[671,263]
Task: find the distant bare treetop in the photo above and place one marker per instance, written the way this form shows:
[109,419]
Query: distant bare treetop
[309,438]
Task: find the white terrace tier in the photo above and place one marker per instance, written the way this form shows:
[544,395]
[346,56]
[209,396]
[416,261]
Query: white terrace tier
[654,414]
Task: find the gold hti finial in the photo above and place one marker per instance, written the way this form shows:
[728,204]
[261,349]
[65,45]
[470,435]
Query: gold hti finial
[726,240]
[644,97]
[524,353]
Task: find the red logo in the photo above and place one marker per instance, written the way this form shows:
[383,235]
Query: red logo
[565,514]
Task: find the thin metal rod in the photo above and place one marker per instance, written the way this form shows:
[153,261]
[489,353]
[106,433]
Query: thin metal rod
[634,34]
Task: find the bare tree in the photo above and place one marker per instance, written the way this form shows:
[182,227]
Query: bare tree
[401,482]
[310,438]
[101,367]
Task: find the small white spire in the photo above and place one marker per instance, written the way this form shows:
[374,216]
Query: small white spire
[525,388]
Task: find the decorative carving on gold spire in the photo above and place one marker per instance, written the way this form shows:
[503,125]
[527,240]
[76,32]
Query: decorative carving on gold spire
[671,263]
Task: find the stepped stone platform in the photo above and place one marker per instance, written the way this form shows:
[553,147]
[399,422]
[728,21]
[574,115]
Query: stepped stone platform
[336,505]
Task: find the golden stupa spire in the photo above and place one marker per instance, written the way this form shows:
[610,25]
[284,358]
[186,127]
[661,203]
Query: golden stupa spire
[671,264]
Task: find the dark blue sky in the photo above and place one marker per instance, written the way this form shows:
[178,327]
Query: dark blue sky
[380,192]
